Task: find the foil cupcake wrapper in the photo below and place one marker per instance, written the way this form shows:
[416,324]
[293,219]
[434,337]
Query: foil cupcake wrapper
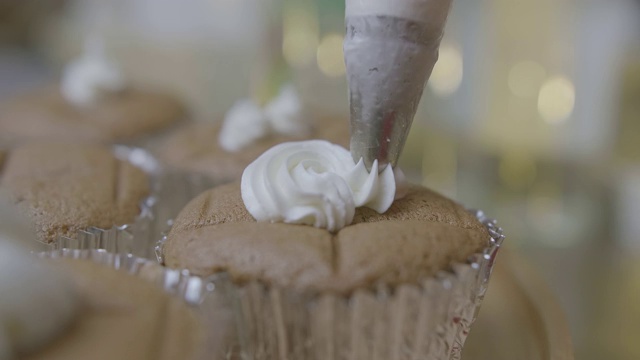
[174,191]
[191,289]
[430,320]
[137,238]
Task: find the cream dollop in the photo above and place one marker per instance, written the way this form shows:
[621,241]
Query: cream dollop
[246,122]
[314,183]
[36,300]
[243,124]
[286,113]
[91,76]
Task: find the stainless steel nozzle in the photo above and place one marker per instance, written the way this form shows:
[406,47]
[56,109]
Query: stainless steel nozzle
[389,60]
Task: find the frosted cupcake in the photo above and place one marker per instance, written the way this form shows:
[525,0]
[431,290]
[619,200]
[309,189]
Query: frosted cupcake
[93,103]
[327,259]
[221,152]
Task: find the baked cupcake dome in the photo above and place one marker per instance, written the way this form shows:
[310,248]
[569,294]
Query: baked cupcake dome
[64,188]
[45,115]
[421,234]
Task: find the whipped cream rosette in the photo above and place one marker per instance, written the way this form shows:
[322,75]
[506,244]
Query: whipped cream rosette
[246,122]
[92,76]
[314,183]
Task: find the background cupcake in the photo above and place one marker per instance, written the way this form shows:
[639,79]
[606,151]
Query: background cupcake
[93,103]
[123,314]
[222,151]
[71,308]
[65,189]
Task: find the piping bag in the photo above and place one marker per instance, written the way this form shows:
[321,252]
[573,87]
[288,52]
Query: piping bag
[390,49]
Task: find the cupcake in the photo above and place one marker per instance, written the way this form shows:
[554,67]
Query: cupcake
[79,306]
[329,260]
[81,309]
[222,151]
[121,316]
[65,188]
[37,302]
[93,103]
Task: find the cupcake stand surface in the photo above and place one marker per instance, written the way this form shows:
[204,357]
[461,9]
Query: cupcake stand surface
[519,318]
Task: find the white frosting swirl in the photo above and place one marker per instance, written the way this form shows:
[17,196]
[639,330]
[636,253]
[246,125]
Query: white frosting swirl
[286,113]
[243,124]
[313,183]
[246,122]
[88,78]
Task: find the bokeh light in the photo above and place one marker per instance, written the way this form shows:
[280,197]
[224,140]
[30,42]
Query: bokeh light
[448,71]
[300,37]
[330,55]
[556,99]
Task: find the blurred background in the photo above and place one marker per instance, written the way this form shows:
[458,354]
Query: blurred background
[532,113]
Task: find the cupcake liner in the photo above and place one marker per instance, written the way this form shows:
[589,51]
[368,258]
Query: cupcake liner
[138,237]
[174,191]
[429,320]
[191,289]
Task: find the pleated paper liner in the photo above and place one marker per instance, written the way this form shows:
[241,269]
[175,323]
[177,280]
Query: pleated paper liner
[429,320]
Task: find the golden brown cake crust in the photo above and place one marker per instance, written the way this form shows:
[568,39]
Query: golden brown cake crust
[123,317]
[420,235]
[45,115]
[65,188]
[195,148]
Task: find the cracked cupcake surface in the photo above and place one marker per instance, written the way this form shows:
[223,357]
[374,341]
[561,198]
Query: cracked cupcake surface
[418,236]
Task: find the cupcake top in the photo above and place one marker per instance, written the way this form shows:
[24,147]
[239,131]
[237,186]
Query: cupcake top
[122,317]
[93,102]
[64,188]
[46,114]
[419,235]
[195,148]
[222,151]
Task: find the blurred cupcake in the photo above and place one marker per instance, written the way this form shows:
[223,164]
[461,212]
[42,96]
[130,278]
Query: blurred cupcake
[122,314]
[86,309]
[324,262]
[68,188]
[38,302]
[221,152]
[93,103]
